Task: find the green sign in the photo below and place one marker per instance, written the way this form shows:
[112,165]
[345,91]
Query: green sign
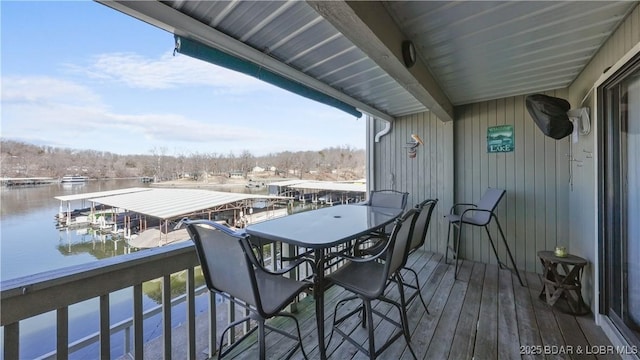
[500,139]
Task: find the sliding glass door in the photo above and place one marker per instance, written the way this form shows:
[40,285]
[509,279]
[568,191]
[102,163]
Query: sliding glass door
[620,200]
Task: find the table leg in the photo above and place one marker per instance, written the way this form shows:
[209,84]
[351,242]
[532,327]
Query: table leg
[545,275]
[318,295]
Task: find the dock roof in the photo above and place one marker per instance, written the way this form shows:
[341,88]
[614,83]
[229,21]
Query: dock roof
[98,194]
[173,203]
[329,186]
[287,182]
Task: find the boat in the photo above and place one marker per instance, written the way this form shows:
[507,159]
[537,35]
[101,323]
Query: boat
[74,179]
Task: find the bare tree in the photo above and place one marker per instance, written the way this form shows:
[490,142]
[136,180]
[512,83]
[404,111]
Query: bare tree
[20,160]
[246,162]
[159,154]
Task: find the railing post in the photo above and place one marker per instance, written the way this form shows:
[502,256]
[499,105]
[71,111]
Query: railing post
[213,324]
[274,252]
[191,313]
[231,317]
[166,316]
[127,340]
[62,333]
[138,332]
[287,250]
[12,341]
[105,329]
[247,324]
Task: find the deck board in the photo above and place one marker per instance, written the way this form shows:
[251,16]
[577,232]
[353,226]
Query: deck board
[465,336]
[548,327]
[484,314]
[440,344]
[528,332]
[508,338]
[486,346]
[595,335]
[572,334]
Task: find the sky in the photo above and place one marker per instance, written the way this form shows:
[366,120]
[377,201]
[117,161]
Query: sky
[80,75]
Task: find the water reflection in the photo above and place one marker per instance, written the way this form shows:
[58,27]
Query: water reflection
[21,200]
[153,288]
[92,242]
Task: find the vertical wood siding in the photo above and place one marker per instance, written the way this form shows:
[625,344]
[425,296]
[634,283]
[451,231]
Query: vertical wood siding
[535,175]
[428,175]
[454,166]
[534,212]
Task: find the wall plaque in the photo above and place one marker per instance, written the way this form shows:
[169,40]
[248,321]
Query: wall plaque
[500,139]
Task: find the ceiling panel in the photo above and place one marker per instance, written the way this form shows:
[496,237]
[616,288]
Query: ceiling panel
[292,32]
[475,50]
[482,50]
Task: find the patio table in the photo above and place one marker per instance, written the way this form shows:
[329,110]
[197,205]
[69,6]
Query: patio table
[320,230]
[566,283]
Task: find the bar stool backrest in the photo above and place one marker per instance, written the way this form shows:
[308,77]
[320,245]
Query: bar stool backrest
[224,262]
[489,201]
[397,257]
[422,223]
[388,198]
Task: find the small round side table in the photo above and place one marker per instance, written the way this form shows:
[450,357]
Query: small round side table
[562,278]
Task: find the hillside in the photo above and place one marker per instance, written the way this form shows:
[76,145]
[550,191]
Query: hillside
[18,159]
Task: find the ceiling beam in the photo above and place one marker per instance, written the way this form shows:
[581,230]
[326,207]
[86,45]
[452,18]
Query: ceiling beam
[368,25]
[178,23]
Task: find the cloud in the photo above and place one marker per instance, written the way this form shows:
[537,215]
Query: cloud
[174,127]
[117,101]
[165,72]
[45,107]
[45,91]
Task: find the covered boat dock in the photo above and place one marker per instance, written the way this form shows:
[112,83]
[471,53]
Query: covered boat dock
[327,192]
[171,205]
[68,217]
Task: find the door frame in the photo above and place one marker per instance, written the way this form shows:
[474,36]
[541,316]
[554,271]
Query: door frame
[611,76]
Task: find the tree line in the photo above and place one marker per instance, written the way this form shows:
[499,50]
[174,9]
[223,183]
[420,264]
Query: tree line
[19,159]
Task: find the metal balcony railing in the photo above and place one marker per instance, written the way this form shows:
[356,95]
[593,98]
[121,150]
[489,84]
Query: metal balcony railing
[57,290]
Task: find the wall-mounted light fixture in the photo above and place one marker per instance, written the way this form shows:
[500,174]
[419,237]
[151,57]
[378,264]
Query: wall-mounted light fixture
[408,53]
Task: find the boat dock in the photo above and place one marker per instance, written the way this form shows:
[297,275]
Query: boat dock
[27,181]
[74,179]
[325,192]
[146,217]
[80,216]
[152,213]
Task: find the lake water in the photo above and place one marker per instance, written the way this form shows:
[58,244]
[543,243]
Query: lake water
[27,222]
[30,243]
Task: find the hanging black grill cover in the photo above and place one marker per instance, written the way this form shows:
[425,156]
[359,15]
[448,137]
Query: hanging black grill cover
[550,114]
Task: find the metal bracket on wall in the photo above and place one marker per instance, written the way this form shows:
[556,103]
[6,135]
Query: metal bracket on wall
[581,117]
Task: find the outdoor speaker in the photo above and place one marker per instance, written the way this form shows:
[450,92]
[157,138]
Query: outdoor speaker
[550,114]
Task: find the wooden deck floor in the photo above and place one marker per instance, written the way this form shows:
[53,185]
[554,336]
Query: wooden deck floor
[484,314]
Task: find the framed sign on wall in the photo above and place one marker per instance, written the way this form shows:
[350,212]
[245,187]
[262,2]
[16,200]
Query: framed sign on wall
[500,139]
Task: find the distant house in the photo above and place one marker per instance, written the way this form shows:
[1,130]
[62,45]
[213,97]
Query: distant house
[236,174]
[257,169]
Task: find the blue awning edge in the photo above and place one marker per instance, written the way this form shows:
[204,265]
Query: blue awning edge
[212,55]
